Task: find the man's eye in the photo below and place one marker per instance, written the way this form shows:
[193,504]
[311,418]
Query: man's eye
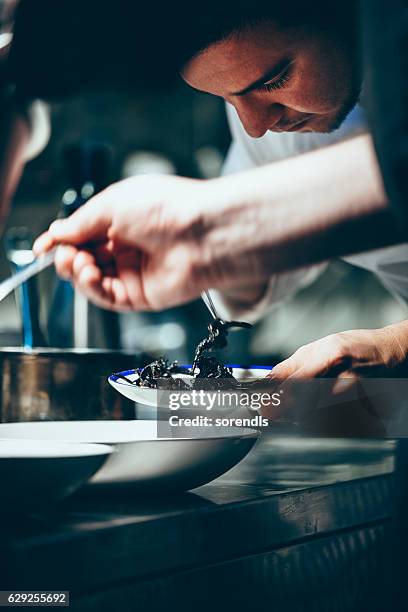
[278,82]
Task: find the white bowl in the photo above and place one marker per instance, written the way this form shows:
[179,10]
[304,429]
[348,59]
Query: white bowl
[35,473]
[151,397]
[144,460]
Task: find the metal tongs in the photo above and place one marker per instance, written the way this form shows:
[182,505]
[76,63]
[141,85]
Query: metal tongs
[207,299]
[37,266]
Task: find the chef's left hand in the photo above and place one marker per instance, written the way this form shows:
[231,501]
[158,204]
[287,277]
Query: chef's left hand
[349,354]
[343,359]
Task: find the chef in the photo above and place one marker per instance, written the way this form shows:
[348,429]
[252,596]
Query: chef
[162,240]
[382,348]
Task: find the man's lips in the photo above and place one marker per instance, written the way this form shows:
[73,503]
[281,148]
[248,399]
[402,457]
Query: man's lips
[290,127]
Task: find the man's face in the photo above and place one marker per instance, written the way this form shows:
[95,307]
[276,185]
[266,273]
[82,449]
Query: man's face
[277,79]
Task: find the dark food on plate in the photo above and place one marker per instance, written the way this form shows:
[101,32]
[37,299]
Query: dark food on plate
[216,339]
[204,366]
[158,370]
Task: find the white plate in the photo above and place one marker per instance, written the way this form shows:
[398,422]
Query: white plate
[144,460]
[36,473]
[149,397]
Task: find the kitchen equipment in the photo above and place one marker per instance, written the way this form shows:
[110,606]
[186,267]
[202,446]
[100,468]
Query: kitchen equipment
[72,320]
[53,384]
[125,383]
[36,473]
[18,245]
[207,299]
[27,272]
[144,460]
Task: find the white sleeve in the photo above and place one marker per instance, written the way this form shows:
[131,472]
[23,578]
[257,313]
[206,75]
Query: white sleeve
[243,155]
[390,265]
[237,159]
[279,288]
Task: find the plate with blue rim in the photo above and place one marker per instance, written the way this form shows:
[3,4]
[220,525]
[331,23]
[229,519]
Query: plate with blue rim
[126,383]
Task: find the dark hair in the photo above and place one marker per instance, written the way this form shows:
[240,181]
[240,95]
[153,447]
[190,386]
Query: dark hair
[218,19]
[86,44]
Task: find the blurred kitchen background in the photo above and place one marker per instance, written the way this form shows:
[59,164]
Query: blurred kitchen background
[172,131]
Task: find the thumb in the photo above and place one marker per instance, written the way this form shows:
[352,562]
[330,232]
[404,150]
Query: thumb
[88,224]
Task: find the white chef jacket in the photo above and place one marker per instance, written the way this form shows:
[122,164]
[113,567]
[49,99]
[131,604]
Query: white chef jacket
[389,264]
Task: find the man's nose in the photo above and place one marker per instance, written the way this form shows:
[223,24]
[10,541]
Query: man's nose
[258,120]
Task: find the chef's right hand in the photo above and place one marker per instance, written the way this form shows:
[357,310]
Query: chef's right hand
[157,241]
[143,244]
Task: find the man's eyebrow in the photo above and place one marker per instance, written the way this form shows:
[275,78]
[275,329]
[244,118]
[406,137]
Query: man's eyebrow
[268,76]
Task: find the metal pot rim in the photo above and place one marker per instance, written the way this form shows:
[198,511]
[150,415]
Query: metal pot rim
[60,352]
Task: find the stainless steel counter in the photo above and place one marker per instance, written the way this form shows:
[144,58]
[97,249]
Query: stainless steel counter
[299,525]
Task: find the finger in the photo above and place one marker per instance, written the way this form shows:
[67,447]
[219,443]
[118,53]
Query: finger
[64,260]
[286,388]
[119,294]
[311,361]
[108,292]
[134,288]
[84,259]
[299,393]
[308,364]
[90,223]
[104,291]
[87,276]
[282,375]
[89,280]
[101,285]
[284,369]
[293,373]
[129,266]
[43,243]
[93,286]
[345,382]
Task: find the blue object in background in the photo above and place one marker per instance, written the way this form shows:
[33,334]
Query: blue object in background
[18,243]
